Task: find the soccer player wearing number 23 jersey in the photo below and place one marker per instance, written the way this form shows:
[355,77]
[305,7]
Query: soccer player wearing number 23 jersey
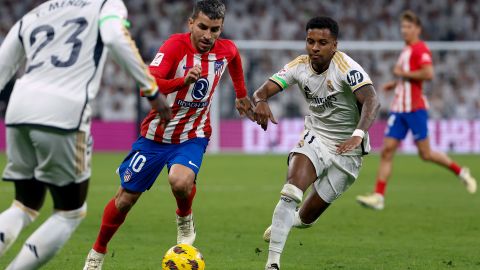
[64,45]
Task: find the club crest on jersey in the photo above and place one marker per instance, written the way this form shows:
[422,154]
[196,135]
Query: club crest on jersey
[200,89]
[330,86]
[218,67]
[354,77]
[301,143]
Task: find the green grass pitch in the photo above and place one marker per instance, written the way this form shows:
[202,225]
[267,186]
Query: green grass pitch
[430,221]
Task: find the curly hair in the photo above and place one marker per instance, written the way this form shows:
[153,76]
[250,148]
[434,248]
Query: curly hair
[323,23]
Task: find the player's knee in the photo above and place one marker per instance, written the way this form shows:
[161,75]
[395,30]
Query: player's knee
[180,184]
[292,192]
[30,213]
[74,216]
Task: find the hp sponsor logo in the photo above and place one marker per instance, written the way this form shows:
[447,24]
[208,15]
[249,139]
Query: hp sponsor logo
[200,89]
[354,77]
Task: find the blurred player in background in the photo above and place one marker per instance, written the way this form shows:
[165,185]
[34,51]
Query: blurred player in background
[343,105]
[187,67]
[49,116]
[409,112]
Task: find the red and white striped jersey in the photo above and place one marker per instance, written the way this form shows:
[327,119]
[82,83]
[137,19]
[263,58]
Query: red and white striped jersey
[408,93]
[191,103]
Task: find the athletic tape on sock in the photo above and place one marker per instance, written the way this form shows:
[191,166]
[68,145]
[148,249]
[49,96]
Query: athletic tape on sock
[292,192]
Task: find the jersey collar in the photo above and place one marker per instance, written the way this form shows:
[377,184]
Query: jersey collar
[313,70]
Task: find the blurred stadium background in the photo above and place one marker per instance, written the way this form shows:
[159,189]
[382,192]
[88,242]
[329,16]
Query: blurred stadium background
[269,34]
[430,222]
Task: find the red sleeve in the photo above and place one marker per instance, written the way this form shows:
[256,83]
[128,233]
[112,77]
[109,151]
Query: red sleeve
[164,65]
[236,72]
[424,56]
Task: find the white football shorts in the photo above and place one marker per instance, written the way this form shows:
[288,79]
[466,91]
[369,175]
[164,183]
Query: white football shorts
[48,155]
[336,173]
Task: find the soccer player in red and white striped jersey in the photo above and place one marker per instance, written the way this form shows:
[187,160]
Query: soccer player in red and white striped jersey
[415,57]
[409,112]
[187,69]
[190,102]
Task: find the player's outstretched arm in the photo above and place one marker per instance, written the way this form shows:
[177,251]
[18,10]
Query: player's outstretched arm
[242,101]
[12,55]
[124,51]
[366,96]
[262,113]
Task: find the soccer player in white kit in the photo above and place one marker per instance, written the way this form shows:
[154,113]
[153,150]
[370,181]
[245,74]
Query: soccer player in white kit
[64,45]
[343,105]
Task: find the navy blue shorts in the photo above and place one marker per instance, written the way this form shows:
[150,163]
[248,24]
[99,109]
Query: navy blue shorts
[143,164]
[399,124]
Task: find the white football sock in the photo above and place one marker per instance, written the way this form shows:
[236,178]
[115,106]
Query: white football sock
[282,222]
[298,223]
[47,240]
[12,221]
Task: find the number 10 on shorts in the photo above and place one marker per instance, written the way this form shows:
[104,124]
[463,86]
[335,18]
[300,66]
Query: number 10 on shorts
[137,162]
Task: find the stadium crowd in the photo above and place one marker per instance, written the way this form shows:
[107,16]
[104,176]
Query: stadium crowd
[454,92]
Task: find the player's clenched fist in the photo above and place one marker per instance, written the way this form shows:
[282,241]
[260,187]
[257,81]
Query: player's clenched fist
[193,74]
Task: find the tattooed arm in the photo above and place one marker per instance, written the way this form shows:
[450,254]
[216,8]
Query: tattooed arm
[366,96]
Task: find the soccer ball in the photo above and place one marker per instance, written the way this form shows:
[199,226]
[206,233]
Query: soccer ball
[183,257]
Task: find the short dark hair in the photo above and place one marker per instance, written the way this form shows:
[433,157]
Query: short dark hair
[214,9]
[323,23]
[410,16]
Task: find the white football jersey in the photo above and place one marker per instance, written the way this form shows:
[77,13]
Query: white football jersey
[334,112]
[63,45]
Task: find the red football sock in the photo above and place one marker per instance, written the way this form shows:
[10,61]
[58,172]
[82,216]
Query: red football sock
[111,221]
[185,204]
[455,168]
[380,186]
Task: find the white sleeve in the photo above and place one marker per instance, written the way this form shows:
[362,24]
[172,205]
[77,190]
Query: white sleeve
[356,76]
[113,9]
[12,54]
[116,37]
[286,76]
